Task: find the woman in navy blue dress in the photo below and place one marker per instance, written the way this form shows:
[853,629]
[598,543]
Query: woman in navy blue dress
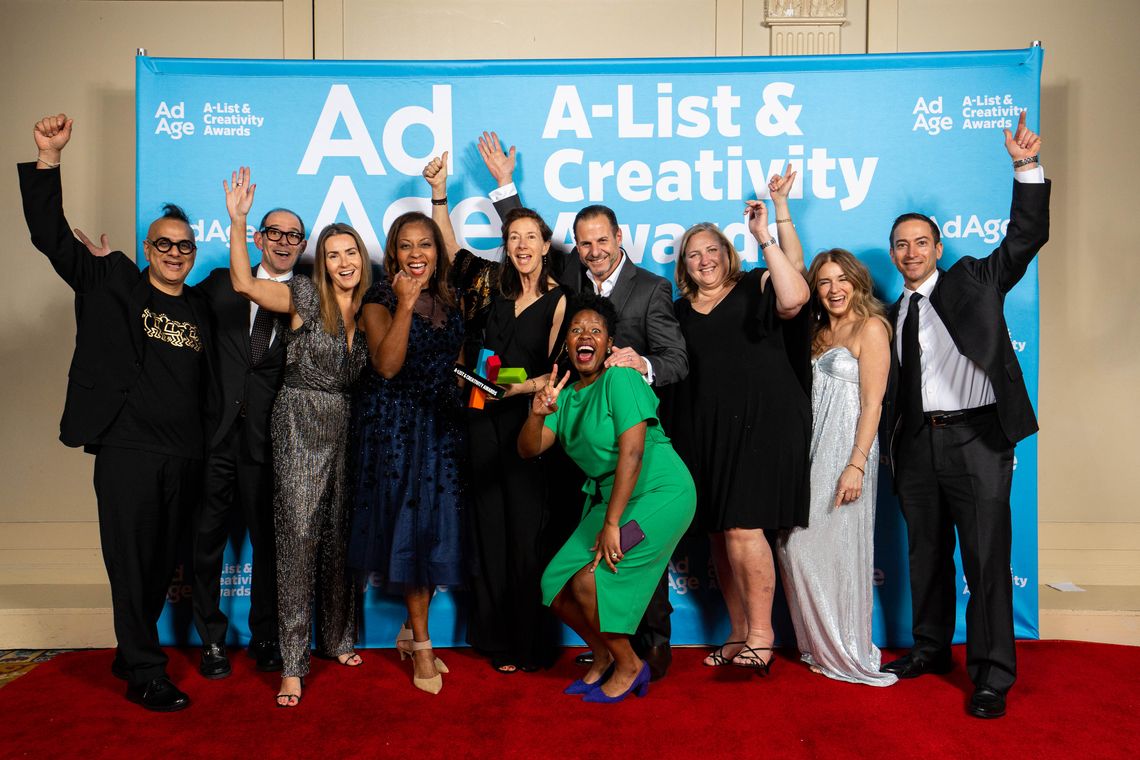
[407,522]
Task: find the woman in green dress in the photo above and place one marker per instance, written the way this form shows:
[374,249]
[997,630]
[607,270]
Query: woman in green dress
[607,423]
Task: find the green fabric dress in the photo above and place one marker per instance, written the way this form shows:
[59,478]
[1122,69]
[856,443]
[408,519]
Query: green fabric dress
[588,422]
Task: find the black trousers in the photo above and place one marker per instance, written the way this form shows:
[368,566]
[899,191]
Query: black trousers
[144,502]
[959,477]
[234,481]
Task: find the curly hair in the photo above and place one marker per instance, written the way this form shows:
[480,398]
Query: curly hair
[587,301]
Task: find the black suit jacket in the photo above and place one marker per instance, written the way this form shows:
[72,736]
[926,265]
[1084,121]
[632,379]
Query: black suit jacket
[644,303]
[242,387]
[969,298]
[111,294]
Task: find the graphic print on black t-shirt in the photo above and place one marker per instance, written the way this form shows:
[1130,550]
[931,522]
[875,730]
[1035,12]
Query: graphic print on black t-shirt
[161,413]
[178,334]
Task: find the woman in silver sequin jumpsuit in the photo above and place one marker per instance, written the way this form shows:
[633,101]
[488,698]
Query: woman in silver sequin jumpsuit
[827,566]
[324,355]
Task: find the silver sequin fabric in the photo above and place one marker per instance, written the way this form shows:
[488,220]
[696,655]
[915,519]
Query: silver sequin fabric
[828,566]
[310,433]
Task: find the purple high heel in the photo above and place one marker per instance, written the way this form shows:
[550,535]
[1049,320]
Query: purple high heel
[581,687]
[640,687]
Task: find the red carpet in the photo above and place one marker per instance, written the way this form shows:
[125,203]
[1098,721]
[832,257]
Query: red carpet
[1072,700]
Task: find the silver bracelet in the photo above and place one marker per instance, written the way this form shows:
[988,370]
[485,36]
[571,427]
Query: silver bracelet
[1025,161]
[769,243]
[47,163]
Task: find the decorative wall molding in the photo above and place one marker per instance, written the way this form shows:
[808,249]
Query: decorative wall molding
[806,27]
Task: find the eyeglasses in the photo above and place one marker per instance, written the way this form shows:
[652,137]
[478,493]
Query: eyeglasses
[163,245]
[274,234]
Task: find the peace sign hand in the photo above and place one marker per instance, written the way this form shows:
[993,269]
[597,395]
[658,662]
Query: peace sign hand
[545,401]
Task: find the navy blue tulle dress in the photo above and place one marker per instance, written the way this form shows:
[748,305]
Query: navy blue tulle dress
[407,521]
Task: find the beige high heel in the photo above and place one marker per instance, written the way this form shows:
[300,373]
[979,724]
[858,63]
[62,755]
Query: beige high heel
[405,635]
[431,685]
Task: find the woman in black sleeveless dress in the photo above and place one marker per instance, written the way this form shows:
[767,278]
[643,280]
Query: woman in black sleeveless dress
[514,309]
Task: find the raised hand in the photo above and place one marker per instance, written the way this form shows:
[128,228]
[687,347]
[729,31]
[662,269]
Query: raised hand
[436,174]
[239,194]
[757,215]
[545,401]
[100,250]
[407,290]
[1022,144]
[51,134]
[500,164]
[781,184]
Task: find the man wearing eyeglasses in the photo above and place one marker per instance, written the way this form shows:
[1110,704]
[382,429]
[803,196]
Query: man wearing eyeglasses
[250,358]
[135,389]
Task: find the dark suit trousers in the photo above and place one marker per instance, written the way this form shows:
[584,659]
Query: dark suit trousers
[959,477]
[655,627]
[233,479]
[144,502]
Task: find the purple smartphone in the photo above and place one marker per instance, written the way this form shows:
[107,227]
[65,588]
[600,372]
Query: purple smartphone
[631,535]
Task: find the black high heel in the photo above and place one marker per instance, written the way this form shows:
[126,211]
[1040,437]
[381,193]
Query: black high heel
[290,697]
[752,660]
[717,655]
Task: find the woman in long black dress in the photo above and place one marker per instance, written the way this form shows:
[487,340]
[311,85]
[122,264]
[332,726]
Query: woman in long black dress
[510,514]
[742,419]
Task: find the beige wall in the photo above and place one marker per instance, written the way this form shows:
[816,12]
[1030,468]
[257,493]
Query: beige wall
[1089,367]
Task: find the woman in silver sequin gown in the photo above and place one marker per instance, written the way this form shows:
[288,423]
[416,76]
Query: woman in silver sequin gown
[324,355]
[827,566]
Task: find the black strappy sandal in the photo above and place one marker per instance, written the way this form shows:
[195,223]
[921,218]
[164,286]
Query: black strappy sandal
[290,697]
[717,655]
[752,660]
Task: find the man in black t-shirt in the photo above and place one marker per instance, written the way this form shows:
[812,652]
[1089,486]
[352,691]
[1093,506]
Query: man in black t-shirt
[134,393]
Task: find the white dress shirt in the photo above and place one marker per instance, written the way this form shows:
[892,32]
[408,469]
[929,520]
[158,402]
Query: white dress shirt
[605,289]
[253,307]
[950,381]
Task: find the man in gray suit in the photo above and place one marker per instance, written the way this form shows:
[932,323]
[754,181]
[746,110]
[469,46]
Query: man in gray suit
[648,337]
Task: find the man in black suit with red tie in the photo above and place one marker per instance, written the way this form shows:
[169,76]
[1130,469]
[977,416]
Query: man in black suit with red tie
[956,405]
[136,386]
[250,358]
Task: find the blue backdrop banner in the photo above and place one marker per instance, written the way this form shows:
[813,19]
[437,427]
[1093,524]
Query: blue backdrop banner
[664,142]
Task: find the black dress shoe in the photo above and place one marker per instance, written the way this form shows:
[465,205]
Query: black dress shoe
[586,658]
[159,695]
[267,654]
[658,658]
[986,703]
[909,666]
[214,663]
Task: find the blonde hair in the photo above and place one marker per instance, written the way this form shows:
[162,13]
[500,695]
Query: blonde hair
[330,311]
[686,284]
[863,302]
